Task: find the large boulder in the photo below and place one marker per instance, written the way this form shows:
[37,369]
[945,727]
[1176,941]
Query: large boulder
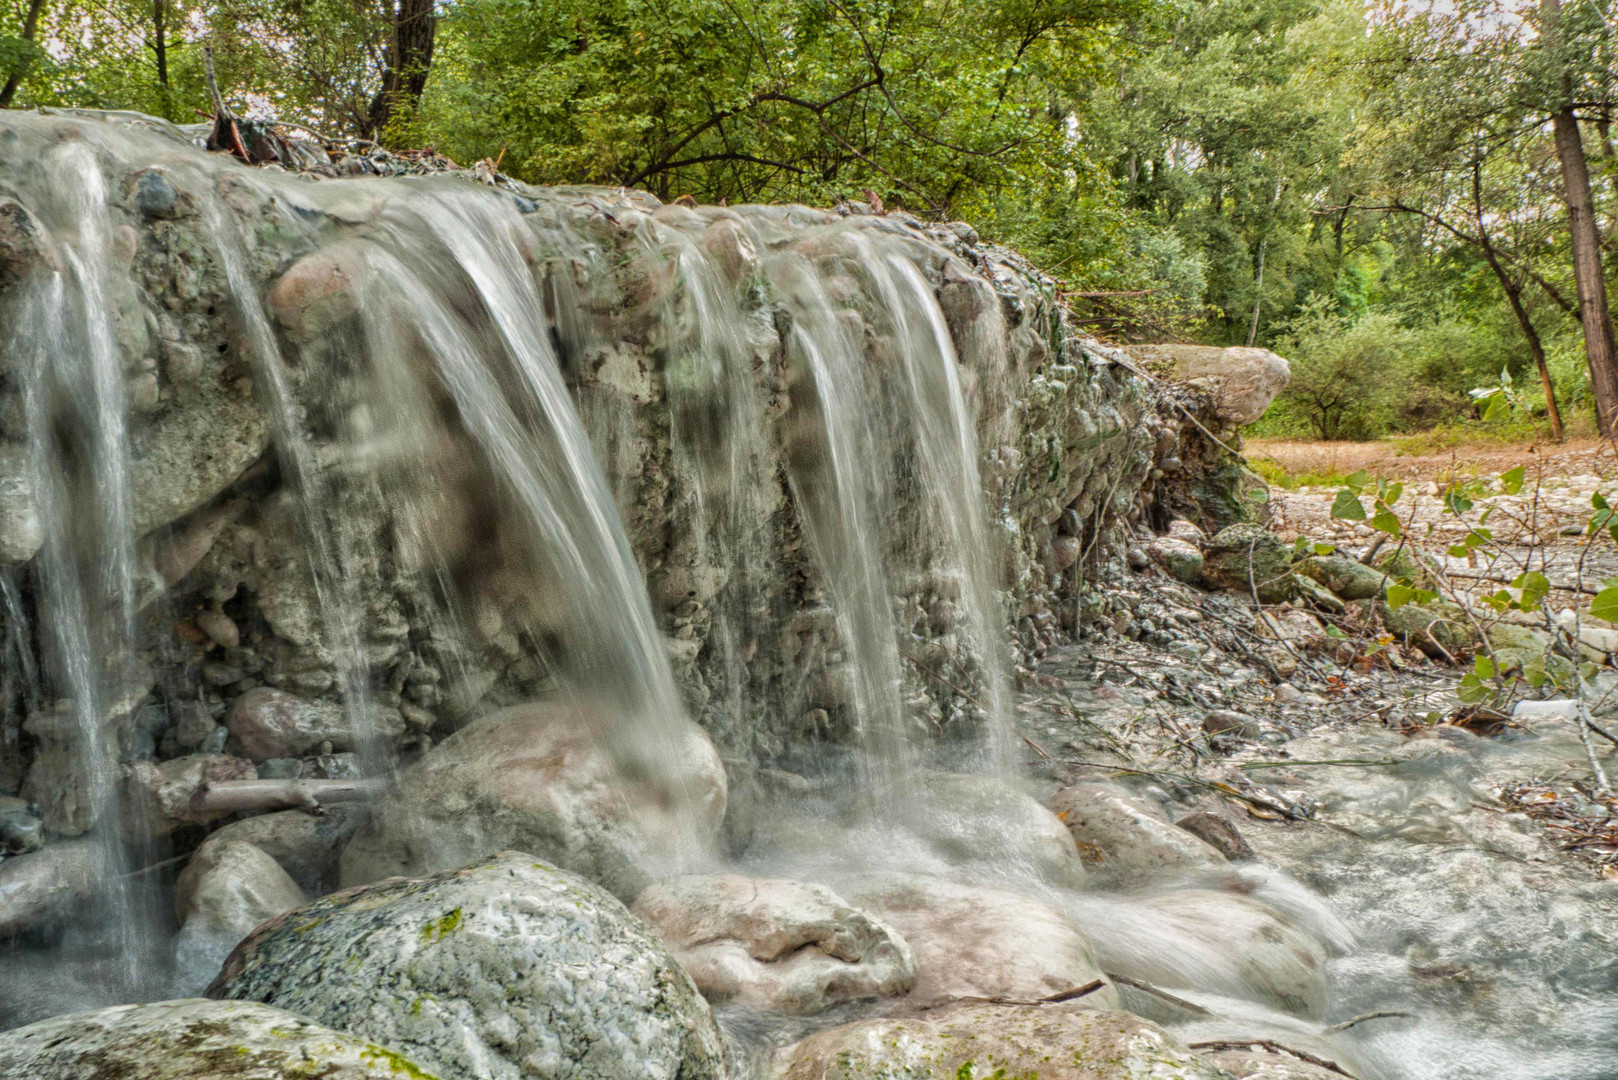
[1248,557]
[1211,941]
[506,969]
[975,942]
[979,1041]
[1125,837]
[780,946]
[1438,628]
[195,1040]
[1242,381]
[227,889]
[539,778]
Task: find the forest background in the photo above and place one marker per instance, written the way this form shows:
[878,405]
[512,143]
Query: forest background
[1411,201]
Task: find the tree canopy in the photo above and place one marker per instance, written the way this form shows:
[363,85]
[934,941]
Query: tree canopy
[1389,190]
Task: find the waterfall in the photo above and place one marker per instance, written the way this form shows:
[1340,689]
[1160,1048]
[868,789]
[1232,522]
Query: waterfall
[421,395]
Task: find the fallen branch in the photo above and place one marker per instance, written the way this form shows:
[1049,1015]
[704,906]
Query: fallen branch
[1147,988]
[1275,1048]
[311,796]
[1346,1024]
[1052,999]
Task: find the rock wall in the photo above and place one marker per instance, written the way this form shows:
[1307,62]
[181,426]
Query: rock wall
[236,652]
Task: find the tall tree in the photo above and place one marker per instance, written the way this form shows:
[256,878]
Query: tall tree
[25,53]
[1601,351]
[406,62]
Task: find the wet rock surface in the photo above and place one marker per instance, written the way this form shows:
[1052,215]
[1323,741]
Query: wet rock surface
[506,968]
[781,946]
[539,777]
[195,1040]
[980,1041]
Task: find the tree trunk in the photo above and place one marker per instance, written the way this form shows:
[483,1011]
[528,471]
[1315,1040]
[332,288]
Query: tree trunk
[406,62]
[160,44]
[1258,298]
[30,26]
[1599,348]
[1513,291]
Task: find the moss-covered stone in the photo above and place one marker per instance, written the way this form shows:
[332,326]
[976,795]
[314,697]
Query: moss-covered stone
[1436,628]
[1346,577]
[1248,557]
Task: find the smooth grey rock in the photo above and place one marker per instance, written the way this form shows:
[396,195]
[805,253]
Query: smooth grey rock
[1218,832]
[536,777]
[509,968]
[307,846]
[975,942]
[228,888]
[273,723]
[1242,381]
[986,820]
[776,946]
[194,1040]
[1230,722]
[1181,558]
[22,826]
[1213,941]
[1126,838]
[46,886]
[977,1041]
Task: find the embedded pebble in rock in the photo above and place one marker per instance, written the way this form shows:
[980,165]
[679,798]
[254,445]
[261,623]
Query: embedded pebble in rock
[1126,838]
[977,1041]
[535,777]
[1214,942]
[506,969]
[781,946]
[276,724]
[1218,833]
[228,888]
[195,1039]
[975,942]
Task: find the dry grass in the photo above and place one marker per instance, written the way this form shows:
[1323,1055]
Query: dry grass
[1325,462]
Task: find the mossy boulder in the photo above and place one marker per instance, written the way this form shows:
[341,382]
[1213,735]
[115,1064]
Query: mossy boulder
[1248,557]
[1435,627]
[193,1039]
[1520,648]
[1346,577]
[507,968]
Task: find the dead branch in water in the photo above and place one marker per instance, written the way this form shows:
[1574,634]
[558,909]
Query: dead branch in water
[1275,1048]
[310,796]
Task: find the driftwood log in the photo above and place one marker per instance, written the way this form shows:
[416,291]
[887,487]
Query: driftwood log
[311,796]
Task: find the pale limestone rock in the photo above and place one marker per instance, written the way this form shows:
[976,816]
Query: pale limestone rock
[1126,838]
[777,946]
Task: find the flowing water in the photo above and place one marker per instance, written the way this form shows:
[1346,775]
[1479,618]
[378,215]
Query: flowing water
[483,408]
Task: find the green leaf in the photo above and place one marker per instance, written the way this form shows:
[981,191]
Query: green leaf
[1472,689]
[1455,502]
[1605,605]
[1392,493]
[1347,506]
[1497,409]
[1355,481]
[1459,551]
[1484,667]
[1533,673]
[1598,500]
[1399,596]
[1512,480]
[1534,586]
[1325,549]
[1425,596]
[1384,521]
